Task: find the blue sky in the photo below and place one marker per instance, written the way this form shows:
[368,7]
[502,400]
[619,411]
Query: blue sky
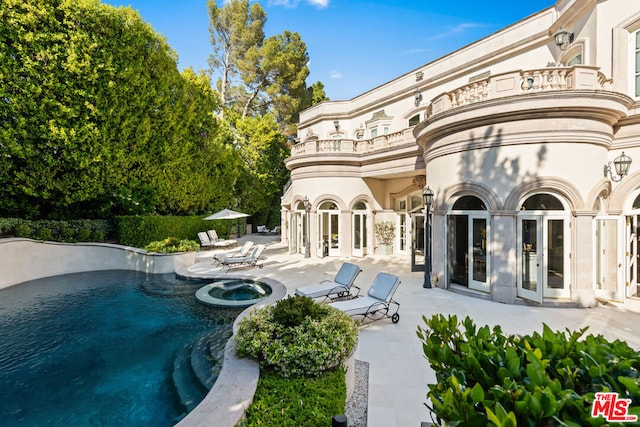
[353,45]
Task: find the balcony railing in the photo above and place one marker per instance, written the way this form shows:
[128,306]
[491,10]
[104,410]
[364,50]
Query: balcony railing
[578,77]
[519,83]
[351,146]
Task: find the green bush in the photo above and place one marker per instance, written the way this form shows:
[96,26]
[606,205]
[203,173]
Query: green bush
[63,231]
[23,230]
[172,245]
[44,233]
[485,378]
[294,402]
[308,347]
[140,230]
[290,312]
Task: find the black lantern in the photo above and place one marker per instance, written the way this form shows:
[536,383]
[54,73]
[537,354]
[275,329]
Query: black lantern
[417,96]
[427,195]
[563,38]
[621,164]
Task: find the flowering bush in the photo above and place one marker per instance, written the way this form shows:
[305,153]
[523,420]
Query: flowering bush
[322,337]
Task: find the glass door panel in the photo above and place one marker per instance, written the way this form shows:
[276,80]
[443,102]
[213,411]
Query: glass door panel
[530,257]
[334,235]
[606,283]
[555,254]
[459,249]
[478,243]
[417,241]
[359,234]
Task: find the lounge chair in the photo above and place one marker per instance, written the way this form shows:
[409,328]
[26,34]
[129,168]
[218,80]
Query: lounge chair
[205,241]
[242,251]
[376,304]
[220,243]
[262,229]
[338,288]
[250,260]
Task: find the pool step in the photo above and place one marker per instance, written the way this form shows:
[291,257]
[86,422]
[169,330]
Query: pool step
[202,362]
[190,390]
[197,366]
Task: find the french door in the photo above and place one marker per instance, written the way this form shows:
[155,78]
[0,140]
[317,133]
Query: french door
[330,233]
[468,255]
[359,234]
[417,242]
[608,268]
[543,257]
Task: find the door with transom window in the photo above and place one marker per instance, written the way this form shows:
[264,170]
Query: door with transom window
[329,229]
[543,249]
[467,241]
[359,229]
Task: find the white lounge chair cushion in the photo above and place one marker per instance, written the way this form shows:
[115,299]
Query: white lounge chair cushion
[359,306]
[321,289]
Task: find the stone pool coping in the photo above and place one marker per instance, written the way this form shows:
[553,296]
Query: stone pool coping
[236,385]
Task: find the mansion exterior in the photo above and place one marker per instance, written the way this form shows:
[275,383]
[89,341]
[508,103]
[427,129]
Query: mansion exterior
[519,135]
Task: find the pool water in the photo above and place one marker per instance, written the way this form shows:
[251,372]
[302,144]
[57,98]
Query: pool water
[100,348]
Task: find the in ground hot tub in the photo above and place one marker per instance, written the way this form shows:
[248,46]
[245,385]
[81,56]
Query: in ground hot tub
[233,293]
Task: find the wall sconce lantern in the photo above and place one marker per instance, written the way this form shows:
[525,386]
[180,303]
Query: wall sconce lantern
[621,164]
[336,124]
[427,195]
[417,96]
[563,38]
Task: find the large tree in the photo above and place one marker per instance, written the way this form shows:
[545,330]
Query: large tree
[258,75]
[235,28]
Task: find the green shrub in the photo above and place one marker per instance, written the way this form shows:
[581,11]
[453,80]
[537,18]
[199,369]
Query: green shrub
[84,235]
[44,233]
[172,245]
[294,402]
[139,231]
[308,347]
[485,378]
[23,230]
[290,312]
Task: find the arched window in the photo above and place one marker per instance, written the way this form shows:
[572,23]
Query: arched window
[542,202]
[469,203]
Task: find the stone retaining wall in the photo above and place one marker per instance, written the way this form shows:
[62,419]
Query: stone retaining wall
[22,260]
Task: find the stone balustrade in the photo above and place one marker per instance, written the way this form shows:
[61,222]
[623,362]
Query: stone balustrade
[519,82]
[351,146]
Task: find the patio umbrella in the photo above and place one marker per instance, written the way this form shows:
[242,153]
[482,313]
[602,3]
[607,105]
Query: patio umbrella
[228,214]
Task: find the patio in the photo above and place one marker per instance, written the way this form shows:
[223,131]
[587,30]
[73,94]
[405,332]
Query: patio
[398,371]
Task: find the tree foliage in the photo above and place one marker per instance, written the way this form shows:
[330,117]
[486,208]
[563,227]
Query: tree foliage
[263,149]
[258,75]
[96,119]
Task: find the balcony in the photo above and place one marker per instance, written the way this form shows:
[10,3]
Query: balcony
[579,77]
[350,146]
[500,86]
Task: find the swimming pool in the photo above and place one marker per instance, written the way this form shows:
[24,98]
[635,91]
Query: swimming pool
[107,348]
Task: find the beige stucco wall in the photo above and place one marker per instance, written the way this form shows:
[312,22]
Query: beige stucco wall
[26,259]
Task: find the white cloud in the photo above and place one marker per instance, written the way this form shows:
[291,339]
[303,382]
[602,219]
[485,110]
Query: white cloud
[458,29]
[335,74]
[320,4]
